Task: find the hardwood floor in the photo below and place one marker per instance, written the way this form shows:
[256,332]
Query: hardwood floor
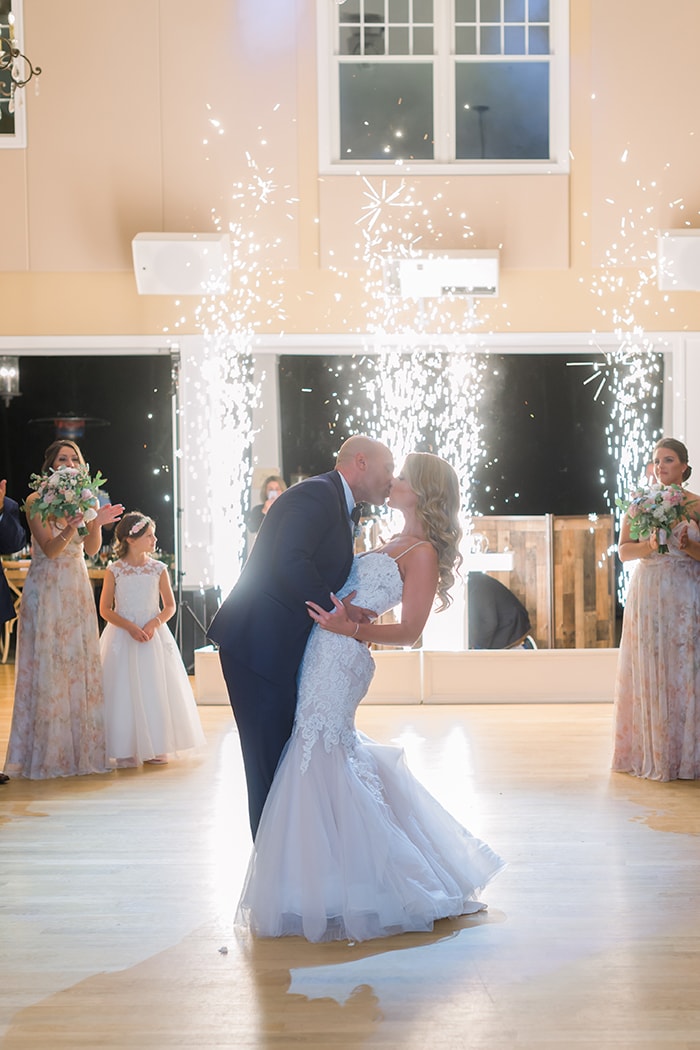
[117,894]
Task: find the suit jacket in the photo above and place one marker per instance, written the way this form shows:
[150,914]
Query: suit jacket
[303,551]
[12,538]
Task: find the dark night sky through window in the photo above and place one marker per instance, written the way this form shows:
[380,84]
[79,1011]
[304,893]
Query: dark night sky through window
[134,452]
[544,431]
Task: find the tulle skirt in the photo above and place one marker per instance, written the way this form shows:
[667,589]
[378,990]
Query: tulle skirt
[355,848]
[149,706]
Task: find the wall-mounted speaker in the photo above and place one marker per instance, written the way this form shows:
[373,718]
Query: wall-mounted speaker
[182,263]
[431,275]
[678,260]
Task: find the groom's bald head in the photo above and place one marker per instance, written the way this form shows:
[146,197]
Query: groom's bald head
[368,467]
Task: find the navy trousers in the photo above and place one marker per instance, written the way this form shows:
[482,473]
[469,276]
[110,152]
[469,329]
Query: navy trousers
[264,714]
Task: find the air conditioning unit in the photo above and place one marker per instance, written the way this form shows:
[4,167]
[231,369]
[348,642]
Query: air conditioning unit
[462,273]
[182,263]
[678,260]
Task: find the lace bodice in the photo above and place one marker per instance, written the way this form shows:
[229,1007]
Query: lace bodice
[377,580]
[336,670]
[137,590]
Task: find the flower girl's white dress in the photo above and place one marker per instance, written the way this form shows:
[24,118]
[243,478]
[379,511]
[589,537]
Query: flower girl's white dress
[350,844]
[149,706]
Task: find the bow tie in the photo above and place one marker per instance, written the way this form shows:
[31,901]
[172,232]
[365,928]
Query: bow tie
[356,513]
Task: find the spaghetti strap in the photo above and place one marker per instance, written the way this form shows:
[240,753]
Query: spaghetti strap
[410,549]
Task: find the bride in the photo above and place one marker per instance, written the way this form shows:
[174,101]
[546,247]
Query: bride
[350,844]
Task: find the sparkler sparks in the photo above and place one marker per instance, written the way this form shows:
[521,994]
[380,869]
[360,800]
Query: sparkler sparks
[420,389]
[630,376]
[379,200]
[424,391]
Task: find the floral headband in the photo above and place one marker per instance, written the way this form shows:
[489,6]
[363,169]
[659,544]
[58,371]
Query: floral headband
[138,525]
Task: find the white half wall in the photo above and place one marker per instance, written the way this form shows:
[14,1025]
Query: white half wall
[415,676]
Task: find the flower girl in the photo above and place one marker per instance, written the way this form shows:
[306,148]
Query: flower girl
[149,708]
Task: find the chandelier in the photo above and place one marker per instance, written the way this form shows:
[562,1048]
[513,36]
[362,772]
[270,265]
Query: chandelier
[14,63]
[9,379]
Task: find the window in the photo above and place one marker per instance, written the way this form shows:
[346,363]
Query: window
[527,400]
[435,84]
[12,105]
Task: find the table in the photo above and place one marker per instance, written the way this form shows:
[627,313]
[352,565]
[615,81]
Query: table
[16,570]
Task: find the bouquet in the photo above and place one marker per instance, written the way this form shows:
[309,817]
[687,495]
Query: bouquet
[65,492]
[659,507]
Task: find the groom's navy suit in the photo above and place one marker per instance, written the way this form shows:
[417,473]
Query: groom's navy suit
[12,538]
[302,552]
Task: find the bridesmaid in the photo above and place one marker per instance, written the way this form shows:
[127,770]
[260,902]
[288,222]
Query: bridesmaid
[657,693]
[58,715]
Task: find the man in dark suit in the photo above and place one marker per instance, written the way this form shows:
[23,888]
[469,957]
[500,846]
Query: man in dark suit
[303,552]
[12,538]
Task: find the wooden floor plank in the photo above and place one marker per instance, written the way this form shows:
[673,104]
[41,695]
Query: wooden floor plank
[117,893]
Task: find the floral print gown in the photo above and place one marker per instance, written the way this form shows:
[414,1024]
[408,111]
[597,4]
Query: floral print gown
[58,716]
[657,694]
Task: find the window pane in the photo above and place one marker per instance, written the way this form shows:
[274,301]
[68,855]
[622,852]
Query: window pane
[374,40]
[490,10]
[465,10]
[350,11]
[398,11]
[398,40]
[539,40]
[386,111]
[374,10]
[465,40]
[351,34]
[349,40]
[539,10]
[514,10]
[7,119]
[502,110]
[514,40]
[422,41]
[423,11]
[490,40]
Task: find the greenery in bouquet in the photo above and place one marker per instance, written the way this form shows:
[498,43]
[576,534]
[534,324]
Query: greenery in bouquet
[659,508]
[65,493]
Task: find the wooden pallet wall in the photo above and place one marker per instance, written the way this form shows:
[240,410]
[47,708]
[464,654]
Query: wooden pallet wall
[563,573]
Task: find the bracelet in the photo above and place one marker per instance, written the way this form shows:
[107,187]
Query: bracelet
[354,633]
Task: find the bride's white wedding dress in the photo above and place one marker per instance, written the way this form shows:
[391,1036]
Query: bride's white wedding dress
[350,844]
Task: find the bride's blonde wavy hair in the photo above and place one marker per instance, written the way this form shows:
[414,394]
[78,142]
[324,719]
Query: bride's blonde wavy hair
[436,485]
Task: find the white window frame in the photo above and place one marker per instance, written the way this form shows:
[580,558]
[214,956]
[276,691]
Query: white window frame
[444,63]
[19,139]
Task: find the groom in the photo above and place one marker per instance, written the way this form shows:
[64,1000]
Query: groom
[303,551]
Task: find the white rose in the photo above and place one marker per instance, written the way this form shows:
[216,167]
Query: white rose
[89,514]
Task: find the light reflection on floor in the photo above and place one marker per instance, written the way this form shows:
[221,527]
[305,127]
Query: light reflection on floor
[119,892]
